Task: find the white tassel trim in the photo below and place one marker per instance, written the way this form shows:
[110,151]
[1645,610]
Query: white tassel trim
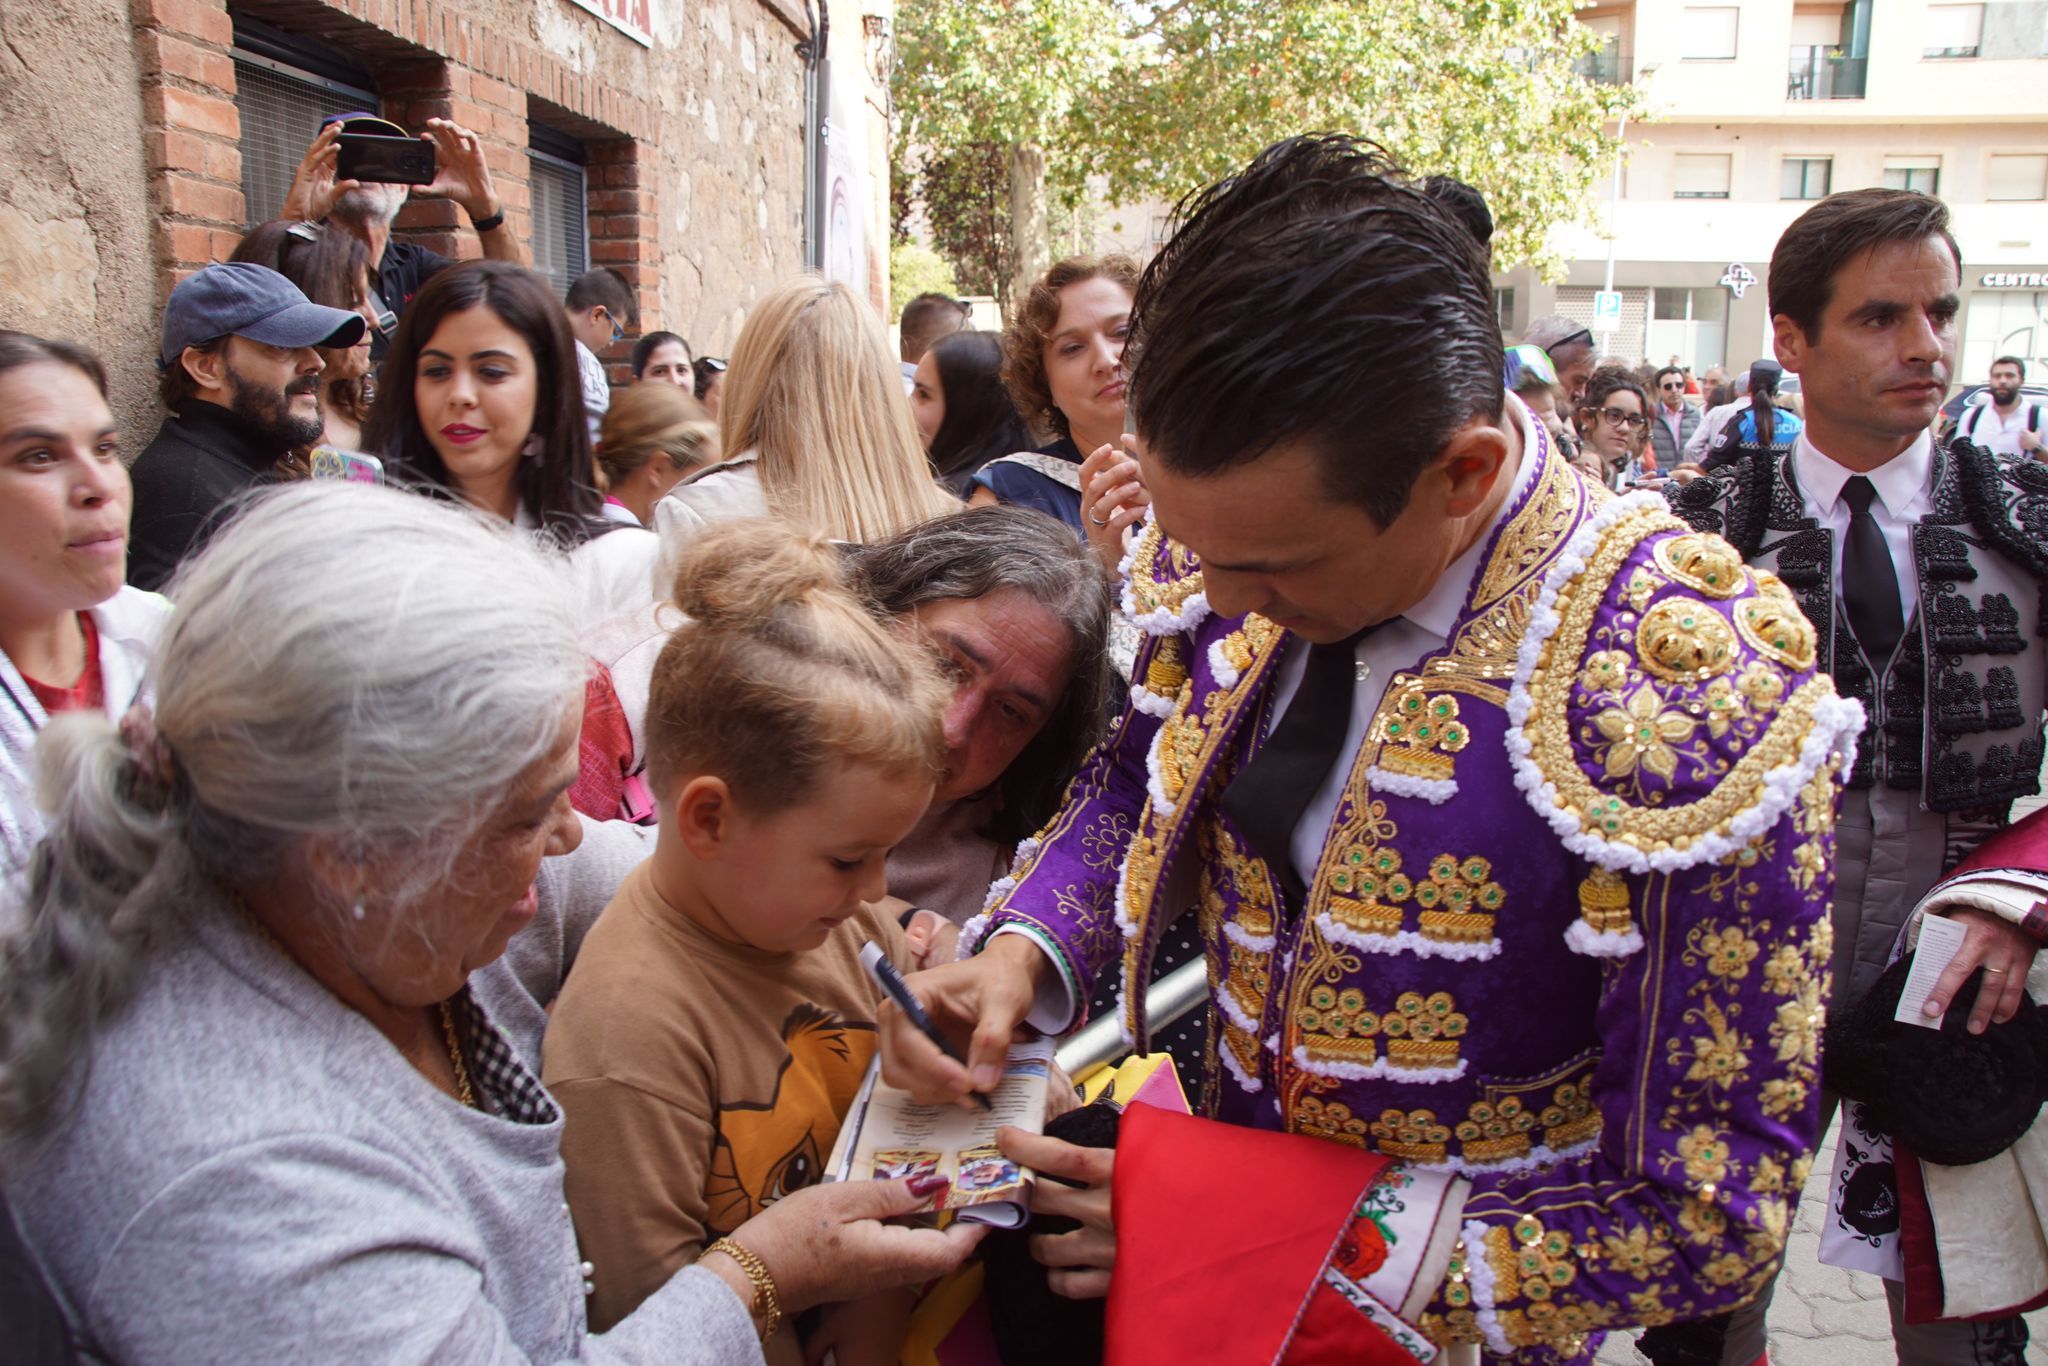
[997,890]
[1153,787]
[1405,941]
[1377,1069]
[1152,704]
[1539,1156]
[1164,621]
[1225,672]
[1245,939]
[1235,1013]
[1247,1083]
[1479,1272]
[1124,922]
[971,936]
[1583,938]
[1435,791]
[1160,621]
[1273,1043]
[1835,720]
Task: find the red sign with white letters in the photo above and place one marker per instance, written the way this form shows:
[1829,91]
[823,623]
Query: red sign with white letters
[630,17]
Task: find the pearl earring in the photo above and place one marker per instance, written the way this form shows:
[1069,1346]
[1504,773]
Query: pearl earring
[531,450]
[357,909]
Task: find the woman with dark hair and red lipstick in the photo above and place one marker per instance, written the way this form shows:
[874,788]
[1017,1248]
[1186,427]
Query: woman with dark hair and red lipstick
[73,635]
[479,399]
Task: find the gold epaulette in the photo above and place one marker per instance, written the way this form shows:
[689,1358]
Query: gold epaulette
[1665,710]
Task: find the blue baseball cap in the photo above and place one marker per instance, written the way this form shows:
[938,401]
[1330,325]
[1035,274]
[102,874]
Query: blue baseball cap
[242,299]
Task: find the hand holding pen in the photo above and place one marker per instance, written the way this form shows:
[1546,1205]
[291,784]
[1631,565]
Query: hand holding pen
[891,981]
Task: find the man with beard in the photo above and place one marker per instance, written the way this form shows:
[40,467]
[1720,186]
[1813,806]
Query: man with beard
[242,383]
[2008,422]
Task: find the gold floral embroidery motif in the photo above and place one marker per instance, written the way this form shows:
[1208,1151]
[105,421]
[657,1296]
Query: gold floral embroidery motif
[1703,563]
[1772,622]
[1141,874]
[1423,1031]
[1329,1119]
[1642,586]
[1148,594]
[1248,981]
[1685,642]
[1459,902]
[1497,1131]
[1340,1026]
[1243,1047]
[1423,735]
[1411,1136]
[1247,874]
[1641,732]
[1571,1118]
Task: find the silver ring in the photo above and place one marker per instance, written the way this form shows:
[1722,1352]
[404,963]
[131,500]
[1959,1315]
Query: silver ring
[1097,520]
[1998,970]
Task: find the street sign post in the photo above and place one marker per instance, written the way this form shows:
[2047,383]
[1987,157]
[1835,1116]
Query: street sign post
[1607,310]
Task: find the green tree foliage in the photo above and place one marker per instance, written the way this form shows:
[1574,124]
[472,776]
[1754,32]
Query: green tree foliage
[1160,100]
[915,269]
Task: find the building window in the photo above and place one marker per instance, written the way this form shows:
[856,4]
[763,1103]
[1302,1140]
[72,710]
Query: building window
[1806,177]
[1699,175]
[1707,33]
[284,88]
[1504,309]
[1951,31]
[561,209]
[2013,177]
[1913,173]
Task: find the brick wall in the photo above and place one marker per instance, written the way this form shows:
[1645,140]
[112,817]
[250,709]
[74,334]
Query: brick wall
[191,132]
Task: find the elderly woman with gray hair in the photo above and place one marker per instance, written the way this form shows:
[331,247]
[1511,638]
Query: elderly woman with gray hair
[269,1039]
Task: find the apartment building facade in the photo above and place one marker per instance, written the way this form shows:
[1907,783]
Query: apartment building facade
[1761,107]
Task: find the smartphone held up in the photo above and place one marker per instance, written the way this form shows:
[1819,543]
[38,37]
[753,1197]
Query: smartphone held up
[381,159]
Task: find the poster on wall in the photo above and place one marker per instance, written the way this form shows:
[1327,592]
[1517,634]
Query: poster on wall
[633,18]
[845,202]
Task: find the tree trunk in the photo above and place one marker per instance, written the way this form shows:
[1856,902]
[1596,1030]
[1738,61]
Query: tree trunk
[1030,235]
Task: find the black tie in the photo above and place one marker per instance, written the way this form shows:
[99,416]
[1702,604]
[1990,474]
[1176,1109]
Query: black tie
[1267,797]
[1870,581]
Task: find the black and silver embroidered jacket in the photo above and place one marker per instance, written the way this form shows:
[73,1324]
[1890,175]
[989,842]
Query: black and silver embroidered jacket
[1959,712]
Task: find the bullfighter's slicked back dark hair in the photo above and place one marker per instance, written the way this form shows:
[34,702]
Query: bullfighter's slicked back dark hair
[1319,296]
[1821,241]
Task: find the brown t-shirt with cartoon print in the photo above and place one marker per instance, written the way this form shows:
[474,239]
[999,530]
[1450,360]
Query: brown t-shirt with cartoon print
[699,1080]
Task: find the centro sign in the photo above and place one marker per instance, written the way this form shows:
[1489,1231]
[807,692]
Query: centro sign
[2005,279]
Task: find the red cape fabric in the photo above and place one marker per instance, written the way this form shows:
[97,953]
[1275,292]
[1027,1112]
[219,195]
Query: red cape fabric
[2023,845]
[1222,1232]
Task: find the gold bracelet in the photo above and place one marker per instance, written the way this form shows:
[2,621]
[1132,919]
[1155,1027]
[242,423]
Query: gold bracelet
[766,1306]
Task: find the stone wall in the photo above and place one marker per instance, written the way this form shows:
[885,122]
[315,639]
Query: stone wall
[75,245]
[120,165]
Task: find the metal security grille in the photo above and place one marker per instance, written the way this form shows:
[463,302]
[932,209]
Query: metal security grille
[281,109]
[561,219]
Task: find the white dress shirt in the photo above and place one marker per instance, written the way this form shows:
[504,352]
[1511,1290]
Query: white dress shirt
[1903,498]
[1399,644]
[1989,428]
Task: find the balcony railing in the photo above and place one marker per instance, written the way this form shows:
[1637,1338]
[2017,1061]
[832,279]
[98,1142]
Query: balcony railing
[1819,73]
[1608,66]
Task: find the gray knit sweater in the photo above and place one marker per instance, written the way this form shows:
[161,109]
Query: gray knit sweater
[253,1173]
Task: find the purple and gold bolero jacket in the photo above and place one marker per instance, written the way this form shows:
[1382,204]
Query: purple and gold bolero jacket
[1565,953]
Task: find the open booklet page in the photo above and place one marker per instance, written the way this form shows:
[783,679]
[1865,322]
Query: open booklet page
[887,1135]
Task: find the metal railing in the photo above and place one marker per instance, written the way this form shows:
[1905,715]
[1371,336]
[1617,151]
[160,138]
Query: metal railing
[1823,73]
[1607,66]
